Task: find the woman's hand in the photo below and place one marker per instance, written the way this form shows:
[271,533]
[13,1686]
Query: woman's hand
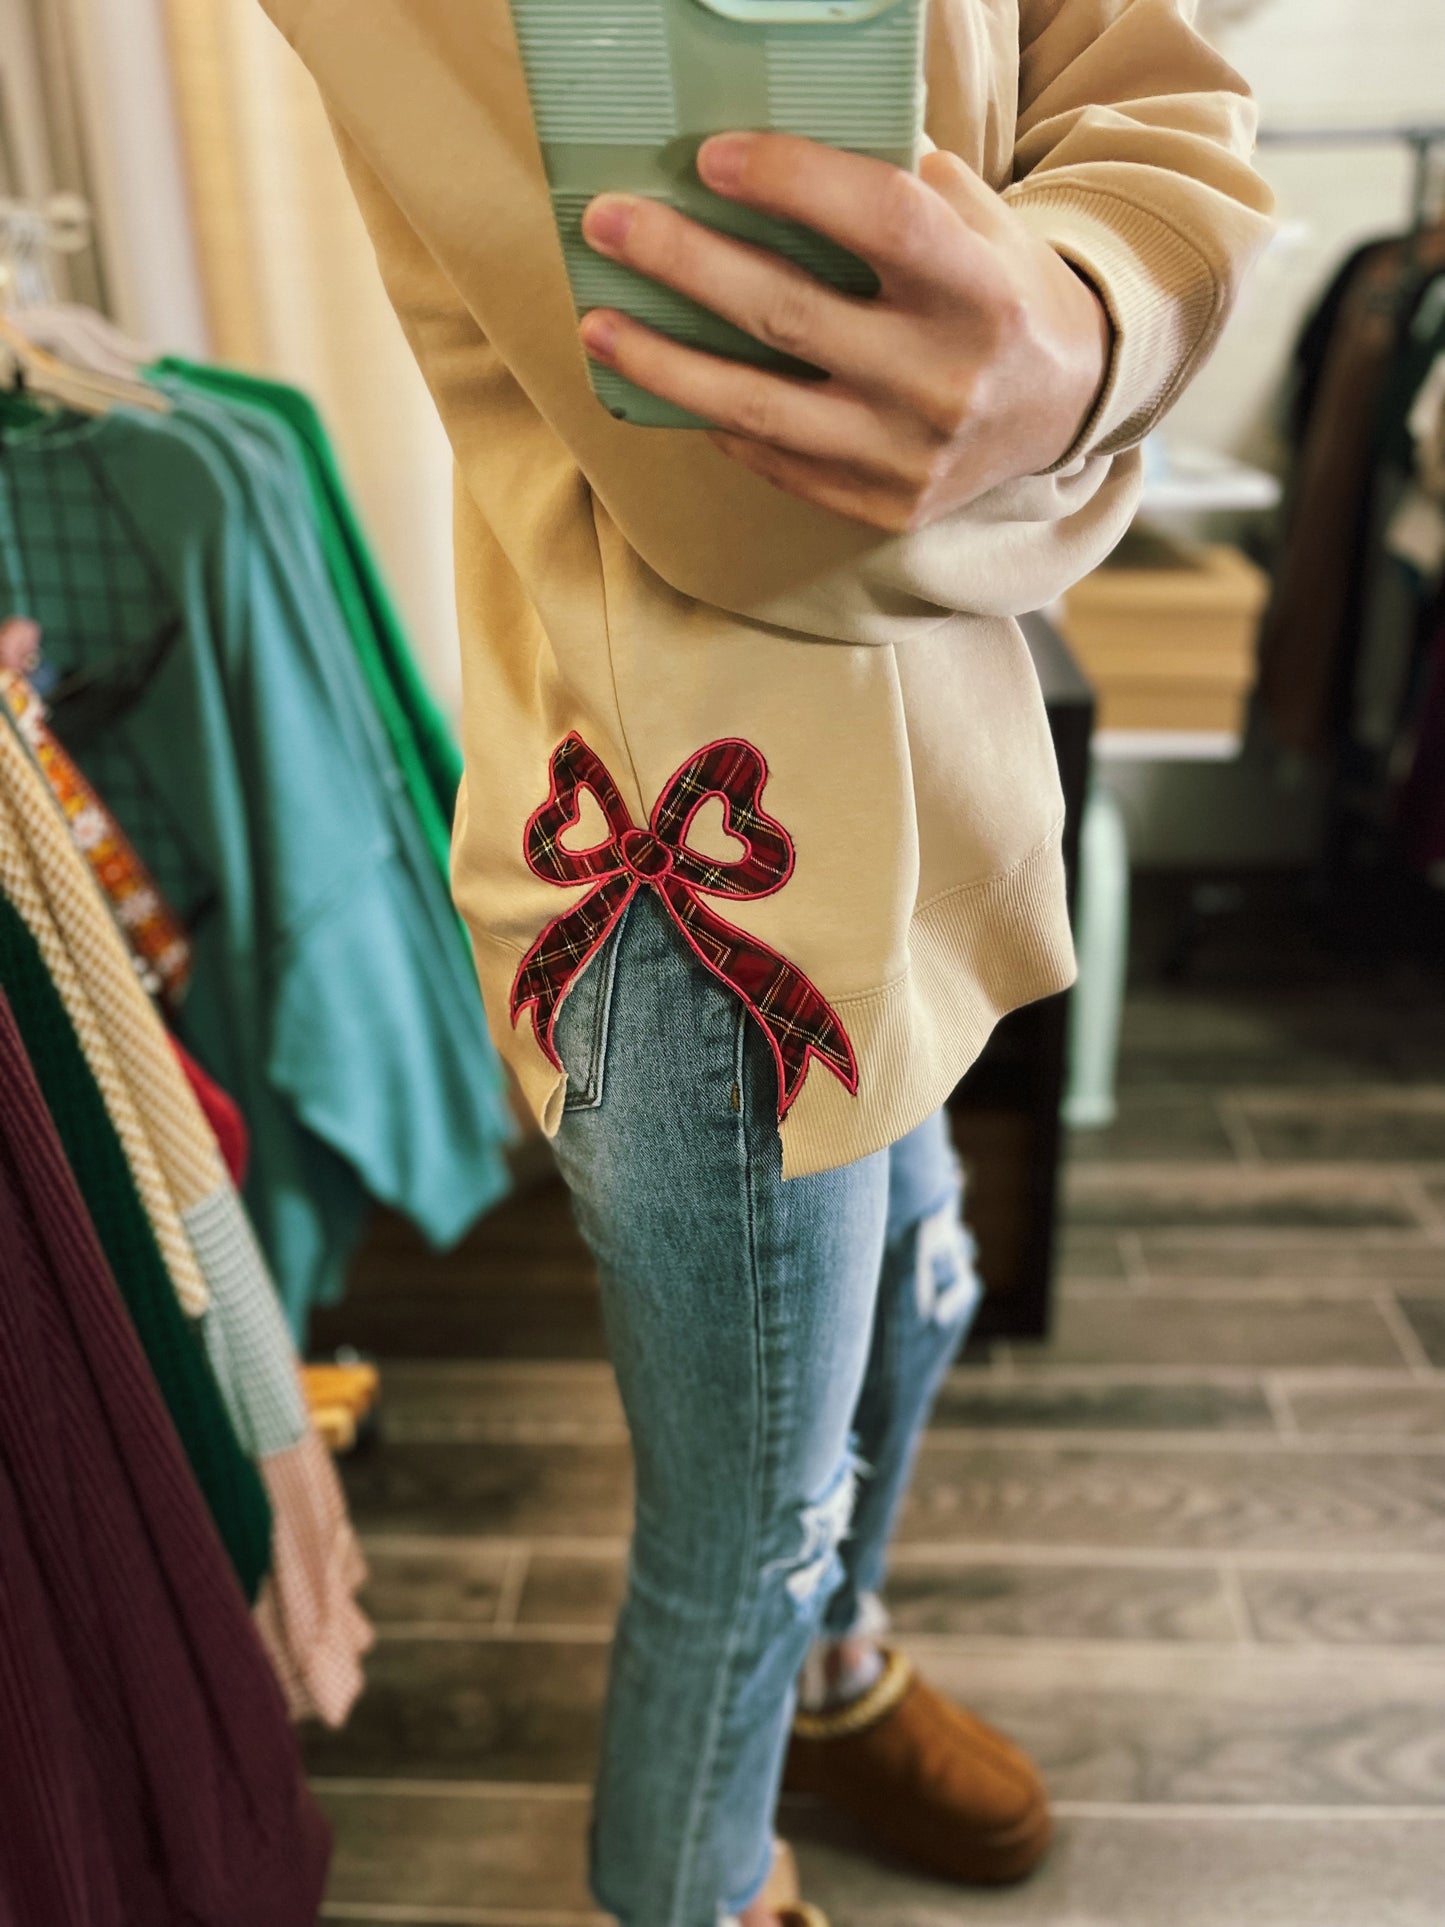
[980,360]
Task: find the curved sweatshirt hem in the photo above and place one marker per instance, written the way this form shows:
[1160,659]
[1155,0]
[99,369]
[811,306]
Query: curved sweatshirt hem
[975,953]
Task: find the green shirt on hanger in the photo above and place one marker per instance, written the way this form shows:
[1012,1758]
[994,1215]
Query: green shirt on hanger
[221,711]
[426,751]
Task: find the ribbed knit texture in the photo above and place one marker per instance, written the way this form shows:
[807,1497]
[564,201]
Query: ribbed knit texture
[307,1614]
[21,884]
[159,1782]
[1165,303]
[228,1481]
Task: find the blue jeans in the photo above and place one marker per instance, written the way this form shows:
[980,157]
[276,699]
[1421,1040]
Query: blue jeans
[777,1347]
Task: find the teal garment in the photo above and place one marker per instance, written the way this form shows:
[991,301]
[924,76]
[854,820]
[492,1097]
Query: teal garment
[261,455]
[229,728]
[425,748]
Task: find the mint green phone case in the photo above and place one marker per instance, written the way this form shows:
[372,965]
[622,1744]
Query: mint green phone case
[624,92]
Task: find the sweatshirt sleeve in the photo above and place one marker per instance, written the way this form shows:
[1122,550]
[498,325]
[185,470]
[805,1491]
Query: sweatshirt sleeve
[1132,160]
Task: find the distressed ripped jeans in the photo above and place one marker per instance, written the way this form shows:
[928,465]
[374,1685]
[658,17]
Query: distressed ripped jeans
[777,1347]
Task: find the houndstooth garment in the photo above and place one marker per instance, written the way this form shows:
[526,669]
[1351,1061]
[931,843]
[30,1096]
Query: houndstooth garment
[20,884]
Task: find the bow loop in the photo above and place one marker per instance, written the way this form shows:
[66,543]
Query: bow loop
[735,772]
[576,768]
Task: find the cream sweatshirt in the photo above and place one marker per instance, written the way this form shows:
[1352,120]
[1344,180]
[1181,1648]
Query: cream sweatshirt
[657,644]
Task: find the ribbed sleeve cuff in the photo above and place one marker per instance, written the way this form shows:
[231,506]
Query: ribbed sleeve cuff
[1164,300]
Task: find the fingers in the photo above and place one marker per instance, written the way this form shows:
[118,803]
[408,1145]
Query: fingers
[893,219]
[768,298]
[831,486]
[806,417]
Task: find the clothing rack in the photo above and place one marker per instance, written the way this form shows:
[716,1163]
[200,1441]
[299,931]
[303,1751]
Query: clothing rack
[1358,794]
[30,233]
[1422,138]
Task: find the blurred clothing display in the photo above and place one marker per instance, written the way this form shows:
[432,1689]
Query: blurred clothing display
[229,1483]
[225,807]
[254,1440]
[1349,640]
[148,1772]
[1342,367]
[210,688]
[426,751]
[155,934]
[222,1114]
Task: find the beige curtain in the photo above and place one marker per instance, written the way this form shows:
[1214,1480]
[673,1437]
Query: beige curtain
[291,289]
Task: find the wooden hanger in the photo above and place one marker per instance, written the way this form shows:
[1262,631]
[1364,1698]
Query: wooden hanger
[45,377]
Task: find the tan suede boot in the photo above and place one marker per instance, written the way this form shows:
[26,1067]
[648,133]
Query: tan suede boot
[925,1779]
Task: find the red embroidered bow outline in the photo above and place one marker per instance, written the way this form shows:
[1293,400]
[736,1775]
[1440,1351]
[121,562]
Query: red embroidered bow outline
[795,1018]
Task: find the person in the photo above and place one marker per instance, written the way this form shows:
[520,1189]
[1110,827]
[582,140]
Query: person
[760,828]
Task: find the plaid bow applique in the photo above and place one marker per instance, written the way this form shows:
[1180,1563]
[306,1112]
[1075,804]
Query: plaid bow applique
[795,1018]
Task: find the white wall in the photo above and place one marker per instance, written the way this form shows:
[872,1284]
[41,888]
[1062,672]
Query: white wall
[135,173]
[1314,63]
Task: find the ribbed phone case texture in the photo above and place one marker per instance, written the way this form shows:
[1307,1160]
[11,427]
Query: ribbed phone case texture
[622,96]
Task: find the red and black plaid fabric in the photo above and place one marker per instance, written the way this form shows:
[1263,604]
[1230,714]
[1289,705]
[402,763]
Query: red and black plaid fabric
[795,1018]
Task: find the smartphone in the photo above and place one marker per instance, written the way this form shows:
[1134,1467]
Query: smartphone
[624,92]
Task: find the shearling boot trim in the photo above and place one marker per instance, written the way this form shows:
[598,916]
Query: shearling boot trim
[880,1699]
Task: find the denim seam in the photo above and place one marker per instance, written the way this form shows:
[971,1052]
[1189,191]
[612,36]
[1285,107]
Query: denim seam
[589,1096]
[705,1792]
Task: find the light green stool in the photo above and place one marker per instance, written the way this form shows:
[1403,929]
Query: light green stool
[1101,938]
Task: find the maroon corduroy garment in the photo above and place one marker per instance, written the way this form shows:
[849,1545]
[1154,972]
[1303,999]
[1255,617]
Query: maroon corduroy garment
[147,1770]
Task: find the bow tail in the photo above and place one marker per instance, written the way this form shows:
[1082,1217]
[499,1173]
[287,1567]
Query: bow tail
[797,1020]
[562,952]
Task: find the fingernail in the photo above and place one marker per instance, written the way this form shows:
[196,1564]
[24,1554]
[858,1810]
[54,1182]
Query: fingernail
[599,336]
[606,222]
[720,160]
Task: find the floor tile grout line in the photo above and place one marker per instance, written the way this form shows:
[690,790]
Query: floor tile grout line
[416,1787]
[1232,1587]
[1099,1174]
[1404,1335]
[1262,1291]
[1041,1374]
[953,1553]
[1276,1396]
[1158,1810]
[1131,1257]
[1247,1442]
[514,1578]
[1418,1199]
[1426,1097]
[375,1913]
[580,1792]
[561,1545]
[1305,1656]
[1136,1439]
[1236,1127]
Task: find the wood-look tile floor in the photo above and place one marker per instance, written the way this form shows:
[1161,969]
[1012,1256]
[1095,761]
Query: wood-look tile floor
[1191,1552]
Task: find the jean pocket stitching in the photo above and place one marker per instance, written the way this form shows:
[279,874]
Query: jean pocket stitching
[584,1092]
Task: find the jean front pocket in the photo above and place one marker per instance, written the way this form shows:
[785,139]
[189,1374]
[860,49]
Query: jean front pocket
[582,1023]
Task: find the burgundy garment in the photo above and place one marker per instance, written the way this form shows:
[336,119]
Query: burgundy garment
[148,1775]
[223,1114]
